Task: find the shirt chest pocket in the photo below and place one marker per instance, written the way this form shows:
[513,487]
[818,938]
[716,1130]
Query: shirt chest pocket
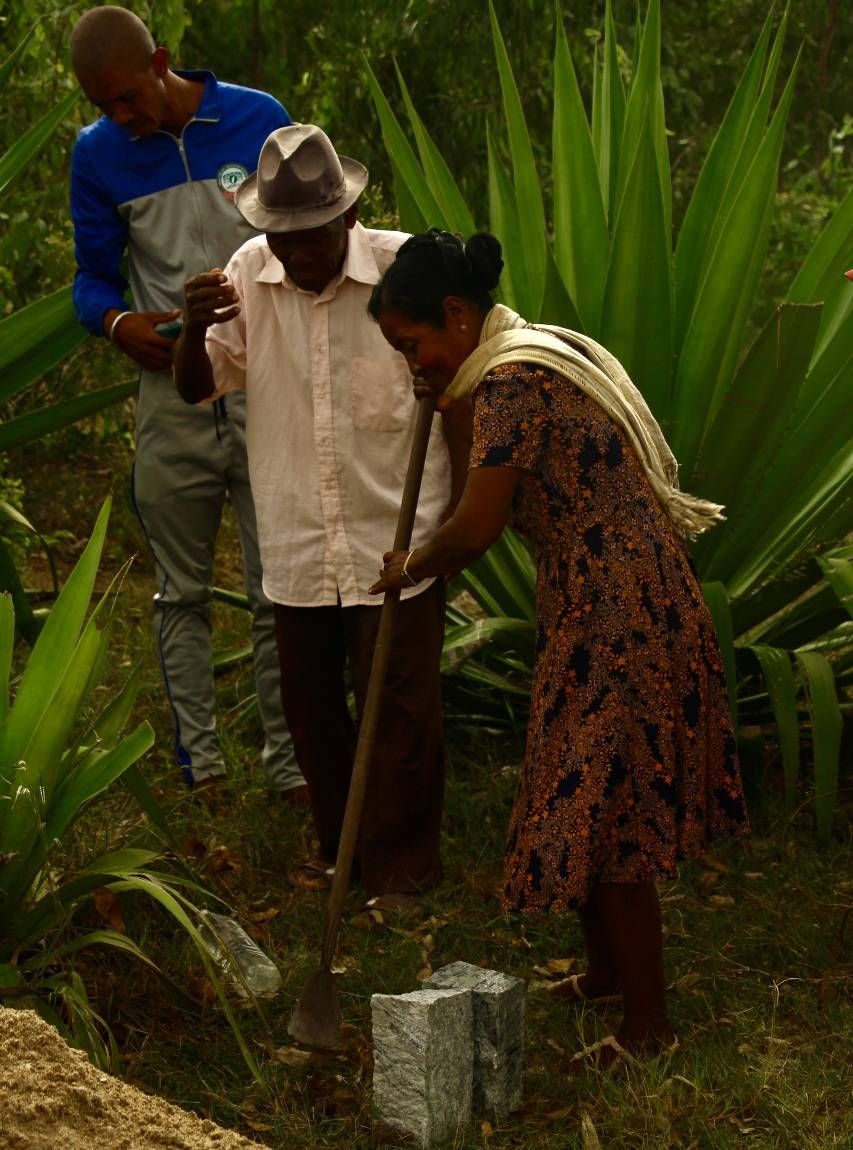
[382,396]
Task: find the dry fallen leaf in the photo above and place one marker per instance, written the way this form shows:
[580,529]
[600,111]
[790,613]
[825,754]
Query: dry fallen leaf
[555,969]
[589,1136]
[486,1129]
[202,989]
[424,973]
[223,859]
[721,900]
[368,916]
[109,908]
[267,915]
[436,922]
[292,1055]
[560,965]
[195,848]
[556,1115]
[344,964]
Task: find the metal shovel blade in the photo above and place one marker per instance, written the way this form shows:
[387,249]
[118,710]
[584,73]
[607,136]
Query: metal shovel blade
[316,1018]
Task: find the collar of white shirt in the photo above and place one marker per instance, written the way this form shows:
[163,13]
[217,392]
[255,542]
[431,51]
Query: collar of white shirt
[359,265]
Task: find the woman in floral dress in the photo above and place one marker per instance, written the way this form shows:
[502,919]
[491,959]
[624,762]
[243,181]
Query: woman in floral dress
[630,763]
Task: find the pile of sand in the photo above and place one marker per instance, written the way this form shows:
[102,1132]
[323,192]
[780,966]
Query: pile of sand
[52,1098]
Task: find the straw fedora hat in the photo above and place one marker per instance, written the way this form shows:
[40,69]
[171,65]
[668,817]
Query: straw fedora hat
[301,182]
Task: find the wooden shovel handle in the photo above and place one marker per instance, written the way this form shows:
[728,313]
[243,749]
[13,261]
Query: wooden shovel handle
[375,687]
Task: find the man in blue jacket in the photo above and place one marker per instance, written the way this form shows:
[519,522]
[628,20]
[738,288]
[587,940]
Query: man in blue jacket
[155,177]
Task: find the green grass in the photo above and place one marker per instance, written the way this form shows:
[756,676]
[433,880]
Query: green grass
[758,939]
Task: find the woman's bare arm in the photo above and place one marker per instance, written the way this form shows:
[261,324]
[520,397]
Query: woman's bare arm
[475,525]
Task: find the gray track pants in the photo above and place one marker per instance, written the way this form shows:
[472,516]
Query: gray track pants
[187,459]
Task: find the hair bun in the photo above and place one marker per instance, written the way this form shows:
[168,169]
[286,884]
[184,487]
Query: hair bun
[434,265]
[484,255]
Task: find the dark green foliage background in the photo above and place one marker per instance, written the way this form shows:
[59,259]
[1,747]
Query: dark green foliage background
[310,56]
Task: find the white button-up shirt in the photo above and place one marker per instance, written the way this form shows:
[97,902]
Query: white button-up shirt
[329,421]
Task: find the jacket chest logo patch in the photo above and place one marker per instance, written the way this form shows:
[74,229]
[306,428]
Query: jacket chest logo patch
[229,178]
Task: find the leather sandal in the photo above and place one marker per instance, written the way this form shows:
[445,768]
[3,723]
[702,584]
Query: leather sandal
[609,1054]
[314,875]
[570,990]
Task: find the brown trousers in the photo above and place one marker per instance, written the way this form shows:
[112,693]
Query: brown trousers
[398,847]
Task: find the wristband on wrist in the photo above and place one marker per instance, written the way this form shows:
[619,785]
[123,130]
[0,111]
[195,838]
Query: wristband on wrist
[412,581]
[111,333]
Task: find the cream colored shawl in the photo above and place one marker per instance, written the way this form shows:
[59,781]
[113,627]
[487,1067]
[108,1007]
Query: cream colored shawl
[507,338]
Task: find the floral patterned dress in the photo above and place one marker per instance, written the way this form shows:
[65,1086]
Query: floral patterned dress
[631,760]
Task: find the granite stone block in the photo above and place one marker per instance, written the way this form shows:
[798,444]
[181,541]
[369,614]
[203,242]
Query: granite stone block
[499,1010]
[423,1058]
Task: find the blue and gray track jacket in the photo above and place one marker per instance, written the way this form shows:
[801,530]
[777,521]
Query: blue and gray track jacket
[168,200]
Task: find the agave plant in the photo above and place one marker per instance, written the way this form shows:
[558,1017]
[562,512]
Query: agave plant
[762,429]
[55,761]
[35,339]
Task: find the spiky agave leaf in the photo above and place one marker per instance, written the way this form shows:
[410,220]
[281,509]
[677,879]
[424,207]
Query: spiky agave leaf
[772,433]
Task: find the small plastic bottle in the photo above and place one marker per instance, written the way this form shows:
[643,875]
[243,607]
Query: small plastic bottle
[260,973]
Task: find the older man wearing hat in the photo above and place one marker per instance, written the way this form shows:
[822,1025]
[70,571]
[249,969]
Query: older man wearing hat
[329,421]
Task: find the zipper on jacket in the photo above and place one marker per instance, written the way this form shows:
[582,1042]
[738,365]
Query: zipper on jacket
[179,141]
